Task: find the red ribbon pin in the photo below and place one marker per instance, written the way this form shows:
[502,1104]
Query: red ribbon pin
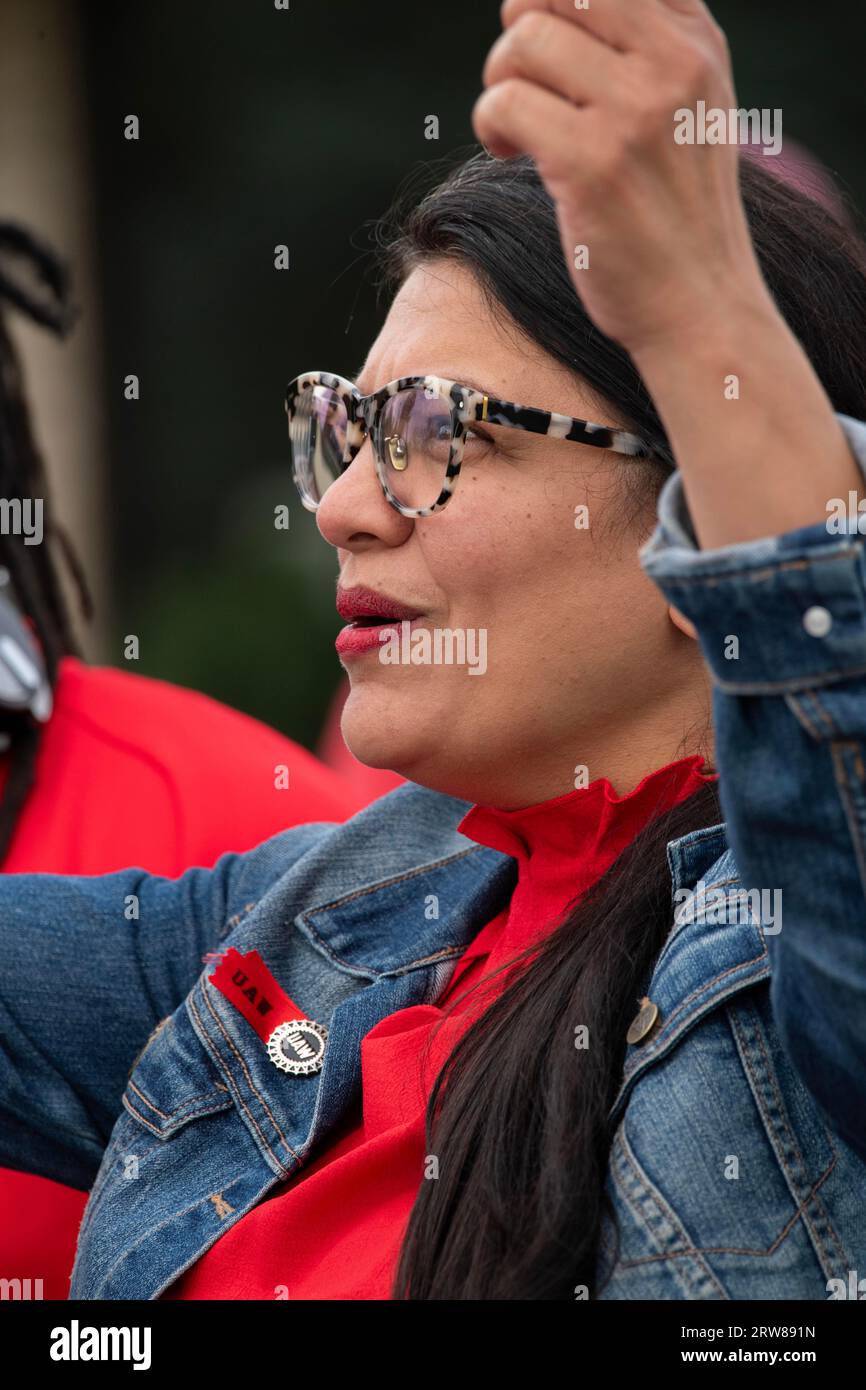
[294,1042]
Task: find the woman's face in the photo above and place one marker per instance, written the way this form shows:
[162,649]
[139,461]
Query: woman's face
[583,667]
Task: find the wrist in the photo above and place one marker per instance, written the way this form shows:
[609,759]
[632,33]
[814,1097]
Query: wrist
[751,426]
[722,326]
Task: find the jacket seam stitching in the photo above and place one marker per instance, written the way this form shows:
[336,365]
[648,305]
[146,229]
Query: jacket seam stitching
[784,687]
[791,1137]
[822,715]
[648,1190]
[253,1121]
[446,953]
[328,950]
[796,703]
[696,994]
[398,878]
[768,571]
[205,1095]
[733,1249]
[849,809]
[190,1114]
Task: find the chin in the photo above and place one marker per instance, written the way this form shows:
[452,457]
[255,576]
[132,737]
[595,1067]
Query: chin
[375,734]
[401,726]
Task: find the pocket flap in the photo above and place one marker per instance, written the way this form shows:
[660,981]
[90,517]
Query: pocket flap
[172,1080]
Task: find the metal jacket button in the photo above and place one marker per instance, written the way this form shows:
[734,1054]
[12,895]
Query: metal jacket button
[817,621]
[644,1023]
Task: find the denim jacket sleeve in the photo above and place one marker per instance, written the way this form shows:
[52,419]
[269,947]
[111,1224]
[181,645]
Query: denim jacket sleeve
[782,627]
[88,967]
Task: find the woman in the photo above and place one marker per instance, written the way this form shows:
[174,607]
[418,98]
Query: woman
[636,1030]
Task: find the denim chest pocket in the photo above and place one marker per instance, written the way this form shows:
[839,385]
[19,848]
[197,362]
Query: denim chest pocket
[172,1080]
[719,1162]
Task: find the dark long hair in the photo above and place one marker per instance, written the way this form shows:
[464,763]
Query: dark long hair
[35,282]
[518,1117]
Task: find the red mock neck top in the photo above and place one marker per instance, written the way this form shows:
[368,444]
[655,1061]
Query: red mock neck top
[334,1229]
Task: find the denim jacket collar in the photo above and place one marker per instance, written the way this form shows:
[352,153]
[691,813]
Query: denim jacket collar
[714,948]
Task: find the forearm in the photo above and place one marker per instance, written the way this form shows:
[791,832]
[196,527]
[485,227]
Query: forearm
[789,714]
[88,967]
[754,435]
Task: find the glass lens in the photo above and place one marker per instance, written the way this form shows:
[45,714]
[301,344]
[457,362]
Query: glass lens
[317,437]
[413,441]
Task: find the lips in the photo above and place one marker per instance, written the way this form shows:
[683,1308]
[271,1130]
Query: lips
[368,613]
[366,607]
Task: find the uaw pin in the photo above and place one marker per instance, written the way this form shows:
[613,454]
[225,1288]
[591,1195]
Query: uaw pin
[294,1042]
[298,1046]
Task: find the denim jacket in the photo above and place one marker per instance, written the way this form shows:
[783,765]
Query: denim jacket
[738,1163]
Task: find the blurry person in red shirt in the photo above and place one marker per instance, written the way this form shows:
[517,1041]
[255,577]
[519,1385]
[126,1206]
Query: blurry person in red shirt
[99,768]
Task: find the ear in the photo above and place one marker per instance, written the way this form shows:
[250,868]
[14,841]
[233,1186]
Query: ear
[682,622]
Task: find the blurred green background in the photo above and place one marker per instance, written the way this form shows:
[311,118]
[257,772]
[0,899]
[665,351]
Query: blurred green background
[258,127]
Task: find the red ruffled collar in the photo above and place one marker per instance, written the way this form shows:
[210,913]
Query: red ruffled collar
[593,812]
[562,846]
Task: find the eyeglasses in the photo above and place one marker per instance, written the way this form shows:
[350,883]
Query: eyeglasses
[417,426]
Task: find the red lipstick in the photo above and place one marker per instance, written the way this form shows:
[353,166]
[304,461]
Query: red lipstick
[370,613]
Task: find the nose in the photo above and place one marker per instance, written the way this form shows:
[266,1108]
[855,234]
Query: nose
[354,512]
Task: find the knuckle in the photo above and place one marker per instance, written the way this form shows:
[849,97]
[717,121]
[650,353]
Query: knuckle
[498,98]
[516,46]
[719,37]
[685,65]
[648,97]
[636,128]
[509,92]
[531,30]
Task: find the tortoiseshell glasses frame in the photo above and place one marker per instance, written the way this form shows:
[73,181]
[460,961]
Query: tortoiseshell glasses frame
[329,421]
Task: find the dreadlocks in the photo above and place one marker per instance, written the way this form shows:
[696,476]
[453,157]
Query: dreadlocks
[36,282]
